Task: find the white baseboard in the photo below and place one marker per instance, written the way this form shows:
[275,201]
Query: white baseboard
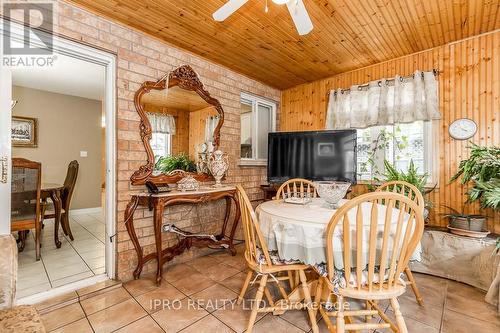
[91,210]
[40,297]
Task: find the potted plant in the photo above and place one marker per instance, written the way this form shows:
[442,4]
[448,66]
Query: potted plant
[460,220]
[411,176]
[482,171]
[166,164]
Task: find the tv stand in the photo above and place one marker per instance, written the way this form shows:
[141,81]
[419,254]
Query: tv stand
[270,190]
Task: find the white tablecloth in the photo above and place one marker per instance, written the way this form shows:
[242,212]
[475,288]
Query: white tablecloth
[298,232]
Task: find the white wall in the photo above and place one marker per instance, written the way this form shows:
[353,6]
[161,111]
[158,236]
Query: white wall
[66,126]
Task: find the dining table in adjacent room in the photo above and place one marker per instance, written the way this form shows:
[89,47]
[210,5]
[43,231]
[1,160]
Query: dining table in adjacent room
[54,192]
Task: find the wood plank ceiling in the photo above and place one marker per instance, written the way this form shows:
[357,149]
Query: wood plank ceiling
[348,34]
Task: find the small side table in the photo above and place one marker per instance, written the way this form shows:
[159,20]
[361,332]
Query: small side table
[269,190]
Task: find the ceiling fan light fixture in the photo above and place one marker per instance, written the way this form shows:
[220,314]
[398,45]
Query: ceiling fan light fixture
[296,8]
[280,2]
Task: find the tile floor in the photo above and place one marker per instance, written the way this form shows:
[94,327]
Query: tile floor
[449,306]
[74,261]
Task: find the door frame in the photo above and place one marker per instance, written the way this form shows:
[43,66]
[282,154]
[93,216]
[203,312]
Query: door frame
[5,146]
[107,59]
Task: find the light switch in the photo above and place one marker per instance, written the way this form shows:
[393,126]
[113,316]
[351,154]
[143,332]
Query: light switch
[83,153]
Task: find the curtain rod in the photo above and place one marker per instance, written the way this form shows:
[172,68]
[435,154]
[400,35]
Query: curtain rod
[360,86]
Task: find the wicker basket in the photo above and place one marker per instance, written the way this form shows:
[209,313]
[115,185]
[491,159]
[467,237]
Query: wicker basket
[473,222]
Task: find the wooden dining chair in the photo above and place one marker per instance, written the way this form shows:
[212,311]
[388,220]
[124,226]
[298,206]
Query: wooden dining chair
[66,196]
[414,194]
[268,267]
[377,242]
[296,187]
[25,203]
[299,188]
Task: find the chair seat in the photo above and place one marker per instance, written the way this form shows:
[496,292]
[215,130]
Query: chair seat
[52,212]
[23,318]
[339,283]
[374,294]
[278,265]
[275,259]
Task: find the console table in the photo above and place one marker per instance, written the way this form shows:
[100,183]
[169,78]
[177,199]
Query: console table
[158,202]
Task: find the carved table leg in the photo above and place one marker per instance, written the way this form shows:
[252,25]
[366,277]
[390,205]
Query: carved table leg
[129,224]
[158,219]
[227,214]
[42,213]
[66,226]
[237,214]
[56,199]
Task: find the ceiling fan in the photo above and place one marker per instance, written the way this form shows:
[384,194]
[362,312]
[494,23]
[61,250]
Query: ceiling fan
[296,8]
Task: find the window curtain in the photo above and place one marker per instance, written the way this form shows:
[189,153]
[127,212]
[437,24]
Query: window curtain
[385,102]
[161,123]
[210,125]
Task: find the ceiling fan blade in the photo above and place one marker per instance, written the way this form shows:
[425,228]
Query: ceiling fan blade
[229,8]
[300,16]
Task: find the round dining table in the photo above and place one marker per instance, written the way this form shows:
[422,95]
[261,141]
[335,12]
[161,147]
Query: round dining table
[54,192]
[298,231]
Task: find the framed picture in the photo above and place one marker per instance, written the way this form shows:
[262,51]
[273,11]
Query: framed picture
[24,132]
[326,149]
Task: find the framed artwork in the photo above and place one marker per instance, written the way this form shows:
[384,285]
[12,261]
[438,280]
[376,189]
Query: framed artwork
[24,132]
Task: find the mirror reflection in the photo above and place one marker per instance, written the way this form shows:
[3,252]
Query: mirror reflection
[183,126]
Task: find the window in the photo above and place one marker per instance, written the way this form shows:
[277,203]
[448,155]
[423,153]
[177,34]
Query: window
[258,118]
[161,144]
[398,144]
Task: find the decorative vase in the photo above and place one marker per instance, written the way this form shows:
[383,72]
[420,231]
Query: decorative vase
[218,163]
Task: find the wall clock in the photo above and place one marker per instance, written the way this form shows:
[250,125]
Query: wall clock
[462,129]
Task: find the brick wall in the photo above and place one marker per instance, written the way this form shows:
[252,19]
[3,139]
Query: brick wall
[141,58]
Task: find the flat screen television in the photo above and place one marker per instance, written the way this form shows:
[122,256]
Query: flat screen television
[319,155]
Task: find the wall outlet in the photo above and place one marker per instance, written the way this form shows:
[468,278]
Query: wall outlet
[83,153]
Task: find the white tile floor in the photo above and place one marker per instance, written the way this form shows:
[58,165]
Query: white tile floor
[75,260]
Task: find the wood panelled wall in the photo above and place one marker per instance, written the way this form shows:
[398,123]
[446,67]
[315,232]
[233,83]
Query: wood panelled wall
[469,86]
[197,122]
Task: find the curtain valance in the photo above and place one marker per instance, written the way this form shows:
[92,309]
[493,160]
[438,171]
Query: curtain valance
[161,123]
[385,102]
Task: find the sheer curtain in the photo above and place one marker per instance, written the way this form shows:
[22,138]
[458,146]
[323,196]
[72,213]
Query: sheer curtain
[210,125]
[161,123]
[384,102]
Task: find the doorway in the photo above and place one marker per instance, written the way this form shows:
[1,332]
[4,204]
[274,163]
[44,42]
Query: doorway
[69,107]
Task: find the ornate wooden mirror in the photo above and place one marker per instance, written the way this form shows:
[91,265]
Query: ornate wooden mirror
[180,125]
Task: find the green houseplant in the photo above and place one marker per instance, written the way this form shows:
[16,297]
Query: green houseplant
[166,164]
[482,171]
[411,175]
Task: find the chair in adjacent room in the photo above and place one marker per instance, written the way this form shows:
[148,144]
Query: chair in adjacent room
[268,267]
[368,257]
[66,196]
[414,194]
[25,203]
